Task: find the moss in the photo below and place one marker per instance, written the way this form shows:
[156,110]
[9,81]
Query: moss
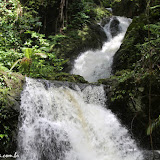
[129,93]
[128,54]
[77,41]
[101,12]
[10,89]
[67,77]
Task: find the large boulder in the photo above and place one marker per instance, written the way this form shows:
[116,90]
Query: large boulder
[114,25]
[78,41]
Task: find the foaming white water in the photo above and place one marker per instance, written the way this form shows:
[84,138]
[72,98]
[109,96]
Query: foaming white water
[59,123]
[94,65]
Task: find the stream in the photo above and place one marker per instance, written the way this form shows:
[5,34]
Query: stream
[68,121]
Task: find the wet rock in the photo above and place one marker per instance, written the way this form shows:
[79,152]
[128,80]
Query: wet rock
[114,27]
[97,29]
[90,37]
[151,155]
[105,21]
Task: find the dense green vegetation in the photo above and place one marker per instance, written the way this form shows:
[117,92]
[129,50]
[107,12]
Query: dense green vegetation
[21,35]
[137,75]
[10,88]
[41,38]
[37,39]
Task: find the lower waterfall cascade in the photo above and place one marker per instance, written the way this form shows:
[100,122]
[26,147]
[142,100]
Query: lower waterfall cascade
[67,121]
[94,65]
[59,122]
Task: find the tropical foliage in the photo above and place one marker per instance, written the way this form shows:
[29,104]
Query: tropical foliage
[37,39]
[136,68]
[34,37]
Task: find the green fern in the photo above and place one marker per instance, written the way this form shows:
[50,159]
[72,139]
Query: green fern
[15,63]
[157,6]
[28,52]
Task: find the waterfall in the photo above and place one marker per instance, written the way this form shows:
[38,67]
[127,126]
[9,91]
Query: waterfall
[66,121]
[94,65]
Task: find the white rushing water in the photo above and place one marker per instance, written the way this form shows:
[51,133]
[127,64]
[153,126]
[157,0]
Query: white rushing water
[66,121]
[94,65]
[60,123]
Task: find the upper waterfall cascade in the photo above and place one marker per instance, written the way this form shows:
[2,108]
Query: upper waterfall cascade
[62,123]
[94,65]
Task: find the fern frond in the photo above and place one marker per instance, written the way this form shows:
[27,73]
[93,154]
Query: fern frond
[15,63]
[28,52]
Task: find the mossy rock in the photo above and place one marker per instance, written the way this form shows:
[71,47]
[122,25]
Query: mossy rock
[11,87]
[128,54]
[77,41]
[13,83]
[62,76]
